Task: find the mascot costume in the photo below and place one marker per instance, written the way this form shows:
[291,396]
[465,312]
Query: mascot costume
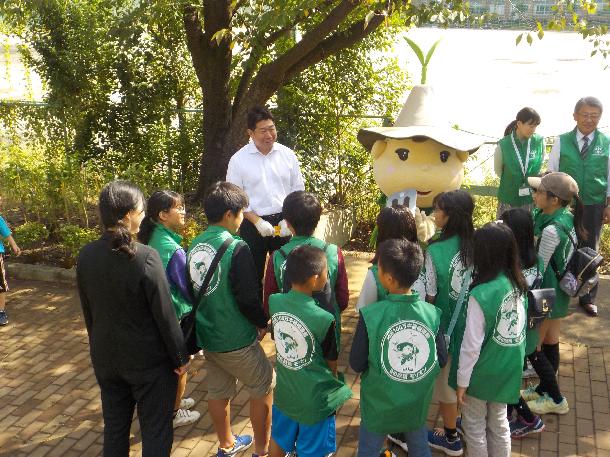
[420,157]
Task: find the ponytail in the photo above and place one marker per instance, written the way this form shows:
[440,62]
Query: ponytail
[510,128]
[121,240]
[159,201]
[579,210]
[146,229]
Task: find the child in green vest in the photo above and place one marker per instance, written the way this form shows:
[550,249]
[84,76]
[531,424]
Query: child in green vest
[448,262]
[493,345]
[165,215]
[518,156]
[397,347]
[230,321]
[302,211]
[392,223]
[308,391]
[521,223]
[554,226]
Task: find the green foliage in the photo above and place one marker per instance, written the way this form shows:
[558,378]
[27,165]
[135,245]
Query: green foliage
[73,238]
[191,229]
[30,233]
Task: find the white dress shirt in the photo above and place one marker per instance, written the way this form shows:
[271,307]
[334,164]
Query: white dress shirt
[554,156]
[266,178]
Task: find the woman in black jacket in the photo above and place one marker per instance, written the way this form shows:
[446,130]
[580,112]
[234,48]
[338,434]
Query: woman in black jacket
[137,348]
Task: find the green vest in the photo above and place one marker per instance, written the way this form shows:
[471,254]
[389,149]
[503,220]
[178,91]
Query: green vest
[221,327]
[590,173]
[449,274]
[381,292]
[562,254]
[167,242]
[530,275]
[496,376]
[306,390]
[512,178]
[332,260]
[396,388]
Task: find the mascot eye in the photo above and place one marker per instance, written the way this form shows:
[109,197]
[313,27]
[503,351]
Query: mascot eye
[402,153]
[444,156]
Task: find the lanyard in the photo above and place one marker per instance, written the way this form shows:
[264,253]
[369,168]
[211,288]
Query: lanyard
[527,155]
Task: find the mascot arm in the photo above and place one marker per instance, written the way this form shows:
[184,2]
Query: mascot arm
[425,225]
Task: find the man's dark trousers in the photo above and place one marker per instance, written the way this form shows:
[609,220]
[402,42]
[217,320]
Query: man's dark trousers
[259,245]
[592,223]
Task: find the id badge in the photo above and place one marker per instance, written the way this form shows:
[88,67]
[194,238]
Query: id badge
[524,191]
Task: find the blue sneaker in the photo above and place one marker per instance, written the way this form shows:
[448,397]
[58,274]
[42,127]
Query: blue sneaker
[458,425]
[242,442]
[3,318]
[438,440]
[520,428]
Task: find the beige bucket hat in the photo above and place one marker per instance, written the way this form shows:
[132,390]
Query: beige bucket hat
[422,115]
[558,183]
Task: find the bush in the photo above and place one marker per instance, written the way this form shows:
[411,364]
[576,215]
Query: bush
[73,238]
[191,229]
[30,233]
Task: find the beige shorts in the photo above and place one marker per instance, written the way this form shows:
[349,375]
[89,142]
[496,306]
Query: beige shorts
[442,391]
[249,365]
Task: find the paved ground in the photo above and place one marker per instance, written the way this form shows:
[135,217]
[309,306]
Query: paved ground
[50,400]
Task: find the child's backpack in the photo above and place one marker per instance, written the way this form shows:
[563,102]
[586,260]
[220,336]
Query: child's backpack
[324,297]
[540,302]
[580,274]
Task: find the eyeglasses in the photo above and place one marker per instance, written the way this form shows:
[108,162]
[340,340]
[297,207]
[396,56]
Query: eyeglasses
[266,130]
[591,116]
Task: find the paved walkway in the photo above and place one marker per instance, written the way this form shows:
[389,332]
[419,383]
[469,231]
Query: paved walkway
[50,399]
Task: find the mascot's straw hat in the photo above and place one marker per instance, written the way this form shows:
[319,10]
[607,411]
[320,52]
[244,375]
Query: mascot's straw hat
[422,115]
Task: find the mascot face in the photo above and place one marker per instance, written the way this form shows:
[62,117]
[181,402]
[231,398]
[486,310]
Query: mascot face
[417,163]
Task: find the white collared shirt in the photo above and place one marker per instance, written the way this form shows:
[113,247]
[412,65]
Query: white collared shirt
[554,156]
[266,178]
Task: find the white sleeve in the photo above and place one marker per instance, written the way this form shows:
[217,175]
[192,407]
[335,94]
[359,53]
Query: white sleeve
[234,176]
[368,293]
[474,334]
[431,289]
[296,178]
[549,240]
[553,164]
[498,164]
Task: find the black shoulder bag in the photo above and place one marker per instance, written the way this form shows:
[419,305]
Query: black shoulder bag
[539,302]
[187,324]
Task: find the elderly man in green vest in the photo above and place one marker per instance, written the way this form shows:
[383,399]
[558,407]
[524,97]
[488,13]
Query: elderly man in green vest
[583,153]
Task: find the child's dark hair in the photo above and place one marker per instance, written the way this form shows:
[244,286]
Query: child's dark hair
[395,223]
[304,262]
[495,252]
[223,196]
[159,201]
[302,210]
[458,205]
[525,115]
[520,221]
[257,114]
[402,259]
[579,214]
[116,199]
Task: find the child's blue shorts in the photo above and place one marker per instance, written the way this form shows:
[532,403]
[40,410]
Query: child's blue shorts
[309,440]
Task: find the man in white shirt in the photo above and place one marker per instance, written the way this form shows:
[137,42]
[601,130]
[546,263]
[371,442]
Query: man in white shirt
[267,171]
[584,154]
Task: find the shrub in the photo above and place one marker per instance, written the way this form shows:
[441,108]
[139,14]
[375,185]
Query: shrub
[29,234]
[73,238]
[191,229]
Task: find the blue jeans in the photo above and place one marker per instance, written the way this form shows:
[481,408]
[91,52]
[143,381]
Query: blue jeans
[369,443]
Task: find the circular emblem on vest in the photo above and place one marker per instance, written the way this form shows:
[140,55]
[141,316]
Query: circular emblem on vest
[456,273]
[200,260]
[408,351]
[293,341]
[510,320]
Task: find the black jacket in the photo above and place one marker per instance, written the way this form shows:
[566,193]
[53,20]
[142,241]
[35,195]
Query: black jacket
[128,311]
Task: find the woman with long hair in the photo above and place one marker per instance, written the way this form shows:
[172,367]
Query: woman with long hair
[137,348]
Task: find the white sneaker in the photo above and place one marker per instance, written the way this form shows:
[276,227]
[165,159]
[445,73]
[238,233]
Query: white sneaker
[529,372]
[185,417]
[530,393]
[187,403]
[546,405]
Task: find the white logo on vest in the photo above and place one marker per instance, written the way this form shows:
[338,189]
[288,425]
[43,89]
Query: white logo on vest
[510,320]
[456,273]
[408,351]
[200,260]
[293,341]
